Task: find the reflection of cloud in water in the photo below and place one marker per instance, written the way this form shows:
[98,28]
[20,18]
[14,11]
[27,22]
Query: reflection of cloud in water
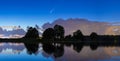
[11,47]
[10,51]
[112,51]
[86,54]
[46,55]
[1,44]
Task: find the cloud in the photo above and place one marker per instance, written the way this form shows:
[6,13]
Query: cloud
[52,10]
[73,24]
[12,32]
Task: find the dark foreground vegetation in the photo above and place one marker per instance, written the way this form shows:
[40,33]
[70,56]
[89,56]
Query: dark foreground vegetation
[56,35]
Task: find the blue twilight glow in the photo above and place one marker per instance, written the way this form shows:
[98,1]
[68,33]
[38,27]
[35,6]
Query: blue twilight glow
[31,12]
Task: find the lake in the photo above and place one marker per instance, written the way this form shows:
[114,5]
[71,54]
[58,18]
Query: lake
[56,52]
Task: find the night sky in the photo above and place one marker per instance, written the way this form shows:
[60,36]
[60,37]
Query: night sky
[31,12]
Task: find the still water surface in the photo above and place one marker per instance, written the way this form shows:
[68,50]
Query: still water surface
[46,52]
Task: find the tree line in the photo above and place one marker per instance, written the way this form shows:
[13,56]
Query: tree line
[58,33]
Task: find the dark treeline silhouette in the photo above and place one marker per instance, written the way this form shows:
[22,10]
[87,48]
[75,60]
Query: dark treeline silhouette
[56,35]
[48,34]
[78,35]
[53,33]
[32,33]
[53,41]
[59,31]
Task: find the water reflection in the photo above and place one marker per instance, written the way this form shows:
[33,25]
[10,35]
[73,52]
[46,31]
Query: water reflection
[32,48]
[63,51]
[55,49]
[15,47]
[77,47]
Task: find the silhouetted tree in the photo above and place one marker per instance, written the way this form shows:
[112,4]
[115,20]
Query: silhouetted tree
[68,37]
[78,35]
[32,33]
[48,34]
[93,36]
[59,31]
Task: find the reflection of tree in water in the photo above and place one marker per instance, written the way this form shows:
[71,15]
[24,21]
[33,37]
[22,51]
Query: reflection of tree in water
[56,50]
[77,47]
[59,51]
[32,48]
[48,48]
[93,47]
[94,39]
